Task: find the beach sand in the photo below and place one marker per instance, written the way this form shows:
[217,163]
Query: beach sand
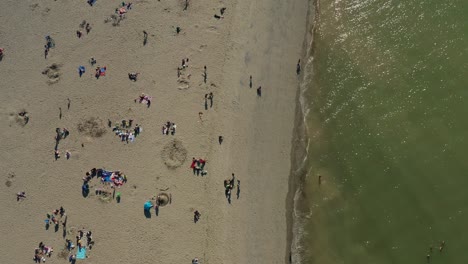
[260,38]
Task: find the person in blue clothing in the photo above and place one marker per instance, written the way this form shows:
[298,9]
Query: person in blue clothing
[81,70]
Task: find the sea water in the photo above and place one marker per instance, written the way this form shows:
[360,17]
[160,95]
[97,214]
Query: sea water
[386,110]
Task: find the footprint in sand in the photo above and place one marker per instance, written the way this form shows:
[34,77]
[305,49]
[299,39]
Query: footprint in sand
[183,84]
[9,181]
[212,29]
[53,73]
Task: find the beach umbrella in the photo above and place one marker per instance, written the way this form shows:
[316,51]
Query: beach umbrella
[148,205]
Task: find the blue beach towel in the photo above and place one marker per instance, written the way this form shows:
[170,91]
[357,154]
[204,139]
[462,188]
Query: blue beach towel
[81,253]
[106,176]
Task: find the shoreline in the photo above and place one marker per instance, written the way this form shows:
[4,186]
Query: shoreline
[300,141]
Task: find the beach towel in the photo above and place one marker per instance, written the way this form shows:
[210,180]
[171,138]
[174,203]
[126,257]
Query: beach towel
[106,176]
[81,253]
[146,99]
[103,71]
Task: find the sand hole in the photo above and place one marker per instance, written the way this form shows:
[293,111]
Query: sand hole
[162,199]
[174,154]
[8,183]
[93,127]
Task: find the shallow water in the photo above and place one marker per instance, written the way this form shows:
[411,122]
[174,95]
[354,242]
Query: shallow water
[388,133]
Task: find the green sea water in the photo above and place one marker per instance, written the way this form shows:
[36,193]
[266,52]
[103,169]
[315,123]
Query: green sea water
[388,129]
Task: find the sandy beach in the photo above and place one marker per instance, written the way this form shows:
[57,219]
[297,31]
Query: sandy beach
[260,38]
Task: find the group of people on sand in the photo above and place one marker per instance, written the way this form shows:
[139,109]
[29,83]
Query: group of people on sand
[208,97]
[59,135]
[118,178]
[229,186]
[23,114]
[100,71]
[41,252]
[79,237]
[144,99]
[169,127]
[198,167]
[125,132]
[133,76]
[55,218]
[122,9]
[70,246]
[112,178]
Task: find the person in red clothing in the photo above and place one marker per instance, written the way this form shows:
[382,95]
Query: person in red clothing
[202,163]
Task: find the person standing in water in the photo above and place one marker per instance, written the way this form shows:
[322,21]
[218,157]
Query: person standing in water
[441,247]
[298,67]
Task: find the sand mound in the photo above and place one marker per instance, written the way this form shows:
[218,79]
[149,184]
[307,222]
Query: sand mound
[53,73]
[93,127]
[174,154]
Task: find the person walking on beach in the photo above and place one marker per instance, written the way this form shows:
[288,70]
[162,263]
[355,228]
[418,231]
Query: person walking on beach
[178,29]
[206,101]
[60,112]
[220,139]
[88,28]
[320,179]
[259,91]
[81,70]
[145,37]
[298,67]
[238,189]
[250,81]
[205,76]
[69,102]
[196,216]
[68,154]
[210,96]
[46,51]
[186,4]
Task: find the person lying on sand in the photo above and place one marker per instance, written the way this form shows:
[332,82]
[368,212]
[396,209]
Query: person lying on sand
[133,76]
[20,196]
